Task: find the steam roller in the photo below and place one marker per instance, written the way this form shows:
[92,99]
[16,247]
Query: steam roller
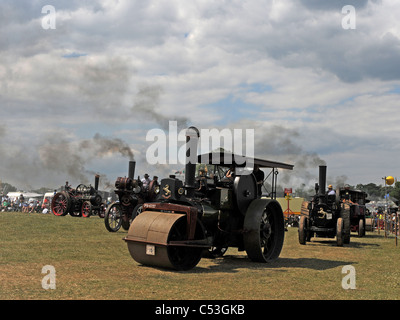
[208,213]
[166,239]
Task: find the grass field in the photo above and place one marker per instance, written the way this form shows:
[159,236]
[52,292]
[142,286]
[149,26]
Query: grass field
[91,263]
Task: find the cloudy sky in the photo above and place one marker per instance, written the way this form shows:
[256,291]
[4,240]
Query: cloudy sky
[80,90]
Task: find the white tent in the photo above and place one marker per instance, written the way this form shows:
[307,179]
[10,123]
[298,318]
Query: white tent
[27,195]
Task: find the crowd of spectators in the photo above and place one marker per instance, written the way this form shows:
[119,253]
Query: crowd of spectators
[21,204]
[380,217]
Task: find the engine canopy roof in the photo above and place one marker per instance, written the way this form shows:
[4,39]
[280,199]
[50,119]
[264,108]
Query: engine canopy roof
[228,159]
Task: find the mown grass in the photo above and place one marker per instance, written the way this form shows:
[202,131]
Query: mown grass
[92,263]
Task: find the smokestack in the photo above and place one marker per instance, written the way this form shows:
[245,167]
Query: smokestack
[131,172]
[96,182]
[322,180]
[192,138]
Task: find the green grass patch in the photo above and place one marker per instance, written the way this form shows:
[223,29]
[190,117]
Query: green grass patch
[92,263]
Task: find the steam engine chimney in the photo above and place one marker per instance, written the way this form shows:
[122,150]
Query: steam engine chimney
[96,182]
[322,181]
[192,138]
[131,172]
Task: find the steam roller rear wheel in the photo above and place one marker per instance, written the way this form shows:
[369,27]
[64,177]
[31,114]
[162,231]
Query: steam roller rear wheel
[265,230]
[60,204]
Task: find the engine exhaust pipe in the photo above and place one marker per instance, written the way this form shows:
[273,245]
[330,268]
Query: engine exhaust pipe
[192,138]
[131,172]
[322,181]
[96,182]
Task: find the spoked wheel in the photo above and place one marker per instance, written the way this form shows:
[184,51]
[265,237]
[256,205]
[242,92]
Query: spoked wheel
[86,209]
[113,217]
[60,204]
[264,230]
[138,210]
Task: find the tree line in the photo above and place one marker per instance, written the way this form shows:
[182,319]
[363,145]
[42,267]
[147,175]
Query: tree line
[378,192]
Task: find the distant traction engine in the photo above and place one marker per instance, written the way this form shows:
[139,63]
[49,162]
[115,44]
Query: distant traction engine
[82,201]
[131,196]
[333,216]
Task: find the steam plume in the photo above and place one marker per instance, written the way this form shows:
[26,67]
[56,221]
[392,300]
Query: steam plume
[103,146]
[146,102]
[72,158]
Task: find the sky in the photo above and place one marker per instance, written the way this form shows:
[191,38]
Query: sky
[81,85]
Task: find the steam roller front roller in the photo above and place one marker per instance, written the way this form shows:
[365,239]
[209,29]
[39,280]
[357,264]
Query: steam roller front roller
[161,239]
[265,230]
